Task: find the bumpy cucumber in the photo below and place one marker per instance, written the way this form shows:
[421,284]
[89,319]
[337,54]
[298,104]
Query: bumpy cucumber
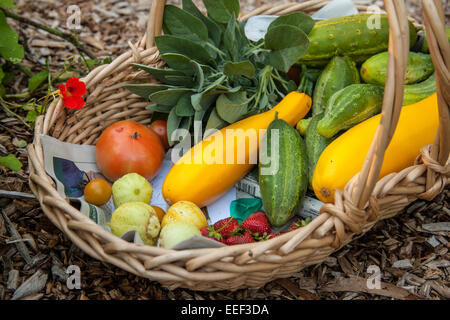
[350,106]
[283,187]
[315,144]
[339,73]
[356,36]
[415,92]
[420,67]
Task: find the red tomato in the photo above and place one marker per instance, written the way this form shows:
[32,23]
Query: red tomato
[160,128]
[126,147]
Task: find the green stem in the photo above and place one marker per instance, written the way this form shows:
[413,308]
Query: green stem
[23,95]
[5,107]
[66,36]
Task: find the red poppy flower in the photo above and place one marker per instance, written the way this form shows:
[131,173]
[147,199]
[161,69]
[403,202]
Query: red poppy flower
[72,93]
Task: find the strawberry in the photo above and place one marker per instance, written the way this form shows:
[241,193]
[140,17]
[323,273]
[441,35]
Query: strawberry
[257,223]
[299,223]
[209,232]
[226,226]
[246,237]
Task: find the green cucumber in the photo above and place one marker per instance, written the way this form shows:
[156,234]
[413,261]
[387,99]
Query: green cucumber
[413,93]
[284,179]
[350,106]
[356,36]
[339,73]
[420,67]
[315,144]
[302,126]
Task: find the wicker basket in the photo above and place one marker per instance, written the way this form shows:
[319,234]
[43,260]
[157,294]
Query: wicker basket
[355,210]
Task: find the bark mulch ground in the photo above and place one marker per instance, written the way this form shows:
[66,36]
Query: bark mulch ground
[411,250]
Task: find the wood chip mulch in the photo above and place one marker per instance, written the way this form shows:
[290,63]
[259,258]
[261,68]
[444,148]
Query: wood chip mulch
[410,250]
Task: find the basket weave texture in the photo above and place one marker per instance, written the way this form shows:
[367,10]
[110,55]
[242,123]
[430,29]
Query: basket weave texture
[356,209]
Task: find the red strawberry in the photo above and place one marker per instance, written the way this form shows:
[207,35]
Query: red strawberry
[246,237]
[257,223]
[299,223]
[209,232]
[226,226]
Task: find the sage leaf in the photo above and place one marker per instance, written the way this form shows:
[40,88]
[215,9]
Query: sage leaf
[159,108]
[179,22]
[168,97]
[214,30]
[173,122]
[234,39]
[145,90]
[203,100]
[180,45]
[179,80]
[288,44]
[214,121]
[243,68]
[159,74]
[199,75]
[184,106]
[178,62]
[221,10]
[11,162]
[232,107]
[296,19]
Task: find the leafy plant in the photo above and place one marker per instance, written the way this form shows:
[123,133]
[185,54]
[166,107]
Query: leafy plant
[215,74]
[11,162]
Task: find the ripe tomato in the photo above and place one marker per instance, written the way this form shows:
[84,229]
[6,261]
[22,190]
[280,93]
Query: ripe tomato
[127,146]
[159,212]
[97,192]
[160,128]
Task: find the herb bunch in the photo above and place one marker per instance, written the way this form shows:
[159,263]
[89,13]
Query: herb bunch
[214,73]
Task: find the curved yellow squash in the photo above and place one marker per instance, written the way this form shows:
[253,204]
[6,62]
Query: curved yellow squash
[210,168]
[344,157]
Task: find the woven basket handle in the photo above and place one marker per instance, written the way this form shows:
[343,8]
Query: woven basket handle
[154,23]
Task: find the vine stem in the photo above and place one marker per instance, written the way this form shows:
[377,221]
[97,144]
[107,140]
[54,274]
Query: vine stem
[66,36]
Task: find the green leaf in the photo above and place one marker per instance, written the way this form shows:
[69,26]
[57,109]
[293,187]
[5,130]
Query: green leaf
[184,106]
[179,22]
[21,144]
[159,74]
[173,122]
[159,108]
[243,68]
[232,107]
[233,39]
[2,90]
[178,62]
[7,4]
[214,30]
[36,80]
[296,19]
[32,115]
[11,162]
[10,49]
[199,75]
[288,44]
[168,97]
[145,90]
[221,10]
[184,81]
[214,121]
[189,48]
[203,100]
